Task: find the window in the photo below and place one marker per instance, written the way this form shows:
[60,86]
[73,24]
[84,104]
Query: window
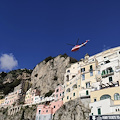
[109,70]
[82,69]
[88,85]
[57,95]
[73,94]
[39,111]
[67,77]
[87,93]
[105,97]
[67,97]
[46,110]
[95,100]
[60,94]
[57,90]
[73,76]
[83,76]
[110,79]
[99,111]
[103,72]
[54,106]
[68,90]
[74,86]
[107,61]
[91,69]
[91,73]
[116,96]
[68,71]
[98,72]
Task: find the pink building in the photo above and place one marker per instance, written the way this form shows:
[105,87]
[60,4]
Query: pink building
[59,92]
[55,105]
[46,112]
[12,97]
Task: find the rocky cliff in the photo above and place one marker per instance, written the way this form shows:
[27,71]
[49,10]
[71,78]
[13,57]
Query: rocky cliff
[12,79]
[72,110]
[25,113]
[50,72]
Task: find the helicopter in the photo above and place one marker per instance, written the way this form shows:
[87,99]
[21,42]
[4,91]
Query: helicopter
[77,46]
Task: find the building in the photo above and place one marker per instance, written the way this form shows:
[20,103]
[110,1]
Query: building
[45,112]
[55,105]
[106,100]
[12,98]
[71,82]
[2,102]
[31,95]
[59,92]
[88,74]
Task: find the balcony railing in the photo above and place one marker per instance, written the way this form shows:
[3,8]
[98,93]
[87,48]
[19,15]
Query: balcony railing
[107,74]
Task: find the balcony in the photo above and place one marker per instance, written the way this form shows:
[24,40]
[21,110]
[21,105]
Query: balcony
[107,85]
[107,72]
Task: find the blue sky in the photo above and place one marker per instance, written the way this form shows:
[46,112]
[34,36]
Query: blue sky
[31,30]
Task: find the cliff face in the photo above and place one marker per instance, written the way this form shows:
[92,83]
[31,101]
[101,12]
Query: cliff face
[12,79]
[50,72]
[72,110]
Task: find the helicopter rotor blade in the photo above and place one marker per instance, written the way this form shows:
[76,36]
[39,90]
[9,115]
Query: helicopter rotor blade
[70,44]
[77,41]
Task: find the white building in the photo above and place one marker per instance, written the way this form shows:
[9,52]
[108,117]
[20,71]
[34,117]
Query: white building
[104,107]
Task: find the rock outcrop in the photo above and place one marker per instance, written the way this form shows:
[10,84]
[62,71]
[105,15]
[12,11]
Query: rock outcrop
[12,79]
[25,113]
[50,73]
[72,110]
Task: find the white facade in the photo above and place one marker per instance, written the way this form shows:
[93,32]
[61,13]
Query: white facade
[36,99]
[103,105]
[84,92]
[115,108]
[106,106]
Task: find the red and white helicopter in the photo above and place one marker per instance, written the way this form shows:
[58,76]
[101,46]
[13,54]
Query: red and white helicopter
[76,47]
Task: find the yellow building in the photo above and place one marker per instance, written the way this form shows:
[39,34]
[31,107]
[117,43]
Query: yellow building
[111,91]
[2,101]
[72,82]
[88,72]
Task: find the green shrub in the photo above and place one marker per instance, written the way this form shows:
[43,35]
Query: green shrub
[64,55]
[48,58]
[48,94]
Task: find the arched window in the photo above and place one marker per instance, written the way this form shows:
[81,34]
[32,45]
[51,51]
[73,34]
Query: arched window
[67,78]
[116,96]
[105,97]
[74,86]
[68,90]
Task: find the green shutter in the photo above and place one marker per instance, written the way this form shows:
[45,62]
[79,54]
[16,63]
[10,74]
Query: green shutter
[87,92]
[99,111]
